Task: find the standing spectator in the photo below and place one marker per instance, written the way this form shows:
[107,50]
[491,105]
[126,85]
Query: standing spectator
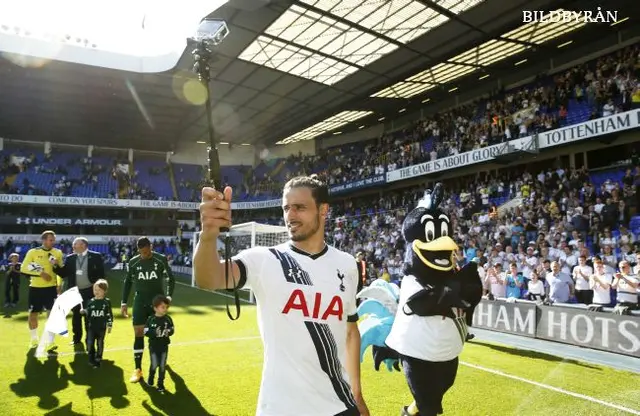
[600,283]
[626,284]
[82,269]
[514,282]
[12,282]
[535,287]
[560,285]
[496,281]
[582,277]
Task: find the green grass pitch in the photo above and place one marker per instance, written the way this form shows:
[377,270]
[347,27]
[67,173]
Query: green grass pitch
[215,368]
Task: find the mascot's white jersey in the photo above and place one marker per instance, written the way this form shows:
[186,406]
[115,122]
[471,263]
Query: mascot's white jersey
[304,303]
[428,338]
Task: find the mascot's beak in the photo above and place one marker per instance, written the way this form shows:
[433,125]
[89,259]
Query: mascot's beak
[437,254]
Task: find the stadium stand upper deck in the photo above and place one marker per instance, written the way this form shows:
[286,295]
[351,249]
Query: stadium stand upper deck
[598,88]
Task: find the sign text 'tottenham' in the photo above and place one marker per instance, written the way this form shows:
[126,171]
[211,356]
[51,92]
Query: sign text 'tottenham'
[591,128]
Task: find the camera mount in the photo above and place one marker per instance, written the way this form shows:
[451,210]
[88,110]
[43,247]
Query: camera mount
[210,34]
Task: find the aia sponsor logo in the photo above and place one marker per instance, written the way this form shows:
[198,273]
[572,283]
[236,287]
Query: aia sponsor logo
[311,305]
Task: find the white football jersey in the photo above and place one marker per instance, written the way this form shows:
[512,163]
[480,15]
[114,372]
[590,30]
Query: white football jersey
[303,302]
[429,338]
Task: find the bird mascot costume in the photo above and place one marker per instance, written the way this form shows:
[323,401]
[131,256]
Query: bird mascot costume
[423,324]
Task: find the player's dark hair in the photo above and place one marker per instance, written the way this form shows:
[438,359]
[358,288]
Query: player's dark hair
[159,300]
[144,242]
[102,284]
[319,189]
[46,234]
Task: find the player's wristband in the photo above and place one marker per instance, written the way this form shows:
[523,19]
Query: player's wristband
[123,304]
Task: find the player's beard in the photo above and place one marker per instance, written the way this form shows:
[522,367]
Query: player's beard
[304,232]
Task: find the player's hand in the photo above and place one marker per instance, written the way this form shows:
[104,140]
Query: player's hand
[362,406]
[108,330]
[124,310]
[215,212]
[45,276]
[83,312]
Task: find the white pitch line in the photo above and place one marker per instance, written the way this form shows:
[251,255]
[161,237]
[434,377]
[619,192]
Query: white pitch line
[173,344]
[555,389]
[211,291]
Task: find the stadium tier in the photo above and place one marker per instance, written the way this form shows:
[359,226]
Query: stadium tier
[580,94]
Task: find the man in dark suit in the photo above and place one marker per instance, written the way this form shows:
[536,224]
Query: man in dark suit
[82,269]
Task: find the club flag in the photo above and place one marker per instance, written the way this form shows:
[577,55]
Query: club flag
[57,322]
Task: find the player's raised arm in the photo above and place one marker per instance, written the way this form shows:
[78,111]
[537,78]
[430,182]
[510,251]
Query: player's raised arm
[215,212]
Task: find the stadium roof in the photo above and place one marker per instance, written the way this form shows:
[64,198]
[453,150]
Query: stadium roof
[288,71]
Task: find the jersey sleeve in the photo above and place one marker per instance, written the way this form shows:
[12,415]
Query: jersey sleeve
[147,328]
[351,303]
[109,313]
[250,263]
[59,258]
[172,327]
[24,268]
[127,284]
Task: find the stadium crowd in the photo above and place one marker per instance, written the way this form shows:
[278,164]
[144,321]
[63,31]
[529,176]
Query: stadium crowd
[558,217]
[594,89]
[561,215]
[607,86]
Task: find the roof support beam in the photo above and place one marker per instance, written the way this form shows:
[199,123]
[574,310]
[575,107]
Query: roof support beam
[313,51]
[376,34]
[435,6]
[362,29]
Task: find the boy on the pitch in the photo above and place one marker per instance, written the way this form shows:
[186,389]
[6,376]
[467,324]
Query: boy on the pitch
[99,321]
[159,328]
